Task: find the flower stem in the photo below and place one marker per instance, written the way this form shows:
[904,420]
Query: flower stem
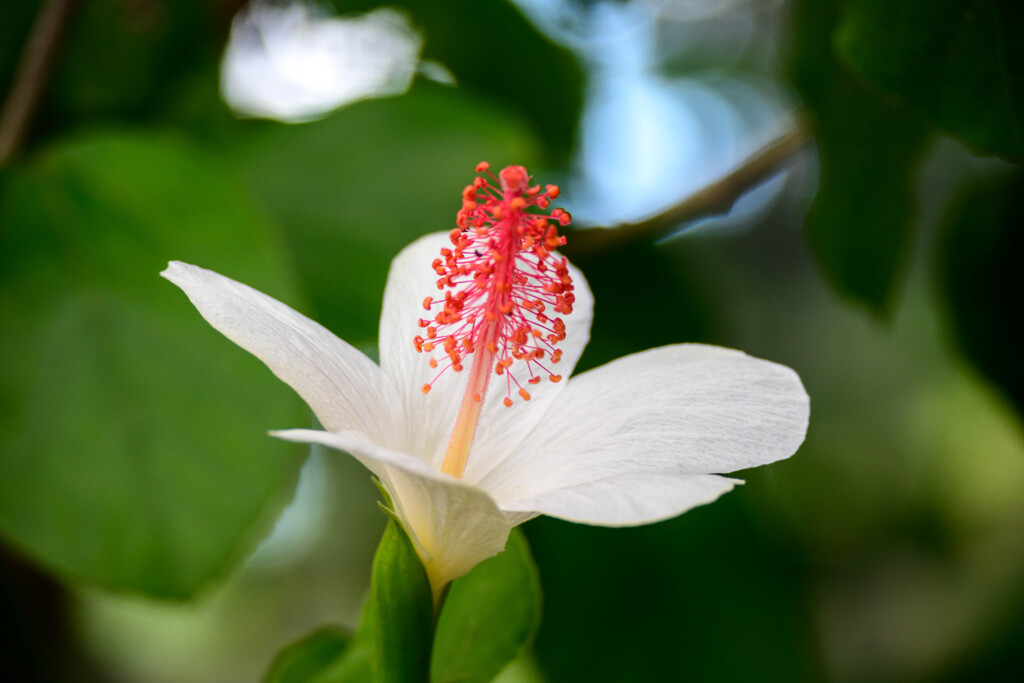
[33,72]
[716,198]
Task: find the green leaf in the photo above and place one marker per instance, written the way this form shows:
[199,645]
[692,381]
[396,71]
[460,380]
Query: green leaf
[354,189]
[960,62]
[328,655]
[301,661]
[401,611]
[125,59]
[861,221]
[133,446]
[981,278]
[489,616]
[356,663]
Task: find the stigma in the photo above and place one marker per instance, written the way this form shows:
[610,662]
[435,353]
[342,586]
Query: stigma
[502,290]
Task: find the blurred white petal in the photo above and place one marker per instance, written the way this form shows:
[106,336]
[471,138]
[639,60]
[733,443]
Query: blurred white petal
[296,62]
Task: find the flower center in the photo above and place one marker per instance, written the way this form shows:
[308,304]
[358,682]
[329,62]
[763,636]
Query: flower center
[503,287]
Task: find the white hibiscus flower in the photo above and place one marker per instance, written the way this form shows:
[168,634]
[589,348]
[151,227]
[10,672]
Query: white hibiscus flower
[638,440]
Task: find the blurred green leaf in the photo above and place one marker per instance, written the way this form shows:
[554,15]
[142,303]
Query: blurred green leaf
[654,603]
[352,190]
[401,610]
[489,616]
[861,220]
[121,58]
[327,655]
[960,62]
[355,665]
[493,49]
[134,446]
[981,278]
[301,661]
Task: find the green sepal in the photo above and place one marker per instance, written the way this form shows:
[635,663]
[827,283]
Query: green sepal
[489,617]
[401,609]
[383,492]
[392,515]
[488,620]
[396,634]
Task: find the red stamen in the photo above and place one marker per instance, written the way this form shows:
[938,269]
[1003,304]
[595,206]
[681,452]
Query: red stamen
[499,279]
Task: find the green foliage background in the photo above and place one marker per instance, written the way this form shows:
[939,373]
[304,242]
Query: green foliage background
[137,481]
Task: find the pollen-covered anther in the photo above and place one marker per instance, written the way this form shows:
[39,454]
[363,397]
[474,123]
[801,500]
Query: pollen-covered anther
[562,216]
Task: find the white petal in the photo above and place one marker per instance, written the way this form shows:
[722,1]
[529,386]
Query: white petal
[454,526]
[430,417]
[341,385]
[626,499]
[676,410]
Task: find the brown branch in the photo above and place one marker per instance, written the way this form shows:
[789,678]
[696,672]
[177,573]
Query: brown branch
[32,73]
[712,200]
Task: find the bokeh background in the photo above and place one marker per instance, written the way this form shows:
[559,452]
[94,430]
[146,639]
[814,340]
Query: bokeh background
[149,530]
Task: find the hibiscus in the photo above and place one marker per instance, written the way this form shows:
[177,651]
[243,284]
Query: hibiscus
[463,458]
